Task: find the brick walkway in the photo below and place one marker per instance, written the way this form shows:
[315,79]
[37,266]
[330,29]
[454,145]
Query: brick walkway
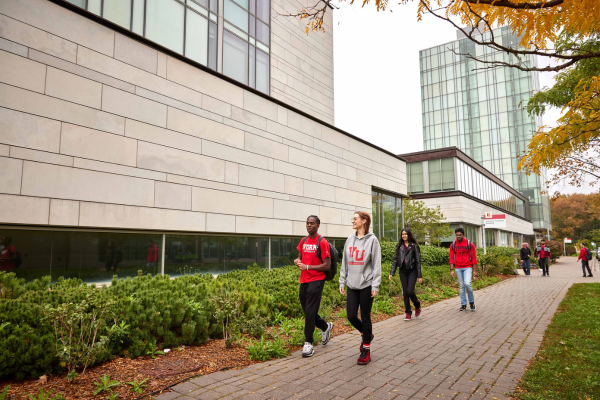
[444,354]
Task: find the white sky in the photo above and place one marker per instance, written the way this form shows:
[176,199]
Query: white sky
[377,83]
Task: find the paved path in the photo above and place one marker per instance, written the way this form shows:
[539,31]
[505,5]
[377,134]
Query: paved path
[444,354]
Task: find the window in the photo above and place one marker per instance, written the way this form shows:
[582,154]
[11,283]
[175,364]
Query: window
[448,173]
[248,20]
[415,177]
[189,27]
[386,216]
[195,254]
[235,57]
[435,176]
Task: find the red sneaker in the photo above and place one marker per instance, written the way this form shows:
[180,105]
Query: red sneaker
[365,357]
[417,312]
[361,345]
[407,318]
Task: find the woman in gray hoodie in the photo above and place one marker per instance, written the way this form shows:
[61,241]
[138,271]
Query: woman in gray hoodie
[361,272]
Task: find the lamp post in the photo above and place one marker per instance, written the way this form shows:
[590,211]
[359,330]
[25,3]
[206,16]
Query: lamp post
[483,233]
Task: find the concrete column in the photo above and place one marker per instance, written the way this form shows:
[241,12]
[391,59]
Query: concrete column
[511,238]
[498,238]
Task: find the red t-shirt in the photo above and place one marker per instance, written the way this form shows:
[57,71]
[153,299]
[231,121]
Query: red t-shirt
[308,254]
[6,261]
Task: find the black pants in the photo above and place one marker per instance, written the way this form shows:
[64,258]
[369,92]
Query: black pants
[310,299]
[543,262]
[363,299]
[586,264]
[408,278]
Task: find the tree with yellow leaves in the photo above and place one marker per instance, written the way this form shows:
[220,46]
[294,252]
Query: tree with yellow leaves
[565,31]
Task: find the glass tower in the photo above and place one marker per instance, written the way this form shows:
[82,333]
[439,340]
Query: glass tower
[480,111]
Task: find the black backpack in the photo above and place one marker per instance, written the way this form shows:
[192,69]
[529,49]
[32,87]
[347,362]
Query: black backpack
[588,254]
[329,275]
[468,246]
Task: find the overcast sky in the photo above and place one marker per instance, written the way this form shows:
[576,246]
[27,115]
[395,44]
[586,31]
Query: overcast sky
[377,84]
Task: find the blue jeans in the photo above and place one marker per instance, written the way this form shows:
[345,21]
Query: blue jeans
[527,266]
[464,276]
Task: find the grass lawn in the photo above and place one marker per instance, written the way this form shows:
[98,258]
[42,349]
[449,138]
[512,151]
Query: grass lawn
[567,366]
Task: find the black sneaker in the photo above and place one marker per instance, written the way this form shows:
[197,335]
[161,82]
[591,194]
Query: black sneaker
[326,334]
[472,306]
[462,308]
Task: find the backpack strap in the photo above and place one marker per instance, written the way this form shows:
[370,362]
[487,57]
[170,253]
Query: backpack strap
[302,247]
[318,254]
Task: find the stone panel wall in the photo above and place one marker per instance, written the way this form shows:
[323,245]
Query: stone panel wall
[100,130]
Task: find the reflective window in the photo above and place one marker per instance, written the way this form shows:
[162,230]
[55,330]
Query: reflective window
[284,251]
[164,23]
[194,254]
[386,215]
[89,256]
[490,237]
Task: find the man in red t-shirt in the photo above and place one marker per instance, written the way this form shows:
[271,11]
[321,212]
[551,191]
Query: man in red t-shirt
[312,282]
[8,255]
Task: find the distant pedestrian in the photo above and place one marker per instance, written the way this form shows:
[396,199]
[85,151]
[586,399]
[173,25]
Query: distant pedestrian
[407,260]
[8,255]
[542,255]
[361,272]
[153,255]
[463,260]
[312,282]
[585,255]
[525,255]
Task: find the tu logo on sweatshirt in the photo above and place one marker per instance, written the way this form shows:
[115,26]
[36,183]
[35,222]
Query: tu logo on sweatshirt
[356,256]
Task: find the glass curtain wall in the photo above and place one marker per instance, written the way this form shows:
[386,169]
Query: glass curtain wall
[471,233]
[89,256]
[95,257]
[441,174]
[189,27]
[387,216]
[478,185]
[480,110]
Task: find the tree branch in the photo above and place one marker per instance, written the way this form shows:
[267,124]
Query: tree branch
[517,6]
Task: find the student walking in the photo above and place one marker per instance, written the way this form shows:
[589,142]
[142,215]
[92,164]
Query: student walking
[407,260]
[361,272]
[585,255]
[525,255]
[463,260]
[8,255]
[312,282]
[542,255]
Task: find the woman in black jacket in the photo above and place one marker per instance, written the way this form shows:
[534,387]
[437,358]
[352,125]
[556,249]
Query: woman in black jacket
[408,260]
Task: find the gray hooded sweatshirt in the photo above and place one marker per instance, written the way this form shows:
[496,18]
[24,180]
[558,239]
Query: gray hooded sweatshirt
[361,263]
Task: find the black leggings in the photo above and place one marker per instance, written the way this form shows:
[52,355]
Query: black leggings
[586,264]
[408,278]
[310,299]
[543,263]
[362,298]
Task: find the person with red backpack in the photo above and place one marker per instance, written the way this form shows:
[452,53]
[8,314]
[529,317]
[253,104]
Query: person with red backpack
[463,260]
[585,255]
[313,262]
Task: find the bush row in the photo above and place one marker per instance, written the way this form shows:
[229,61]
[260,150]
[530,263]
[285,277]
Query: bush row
[147,313]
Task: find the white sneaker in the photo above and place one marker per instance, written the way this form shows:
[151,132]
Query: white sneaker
[326,334]
[308,350]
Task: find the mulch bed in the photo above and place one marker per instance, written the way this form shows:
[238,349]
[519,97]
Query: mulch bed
[163,371]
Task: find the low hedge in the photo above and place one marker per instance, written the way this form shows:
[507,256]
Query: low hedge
[160,312]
